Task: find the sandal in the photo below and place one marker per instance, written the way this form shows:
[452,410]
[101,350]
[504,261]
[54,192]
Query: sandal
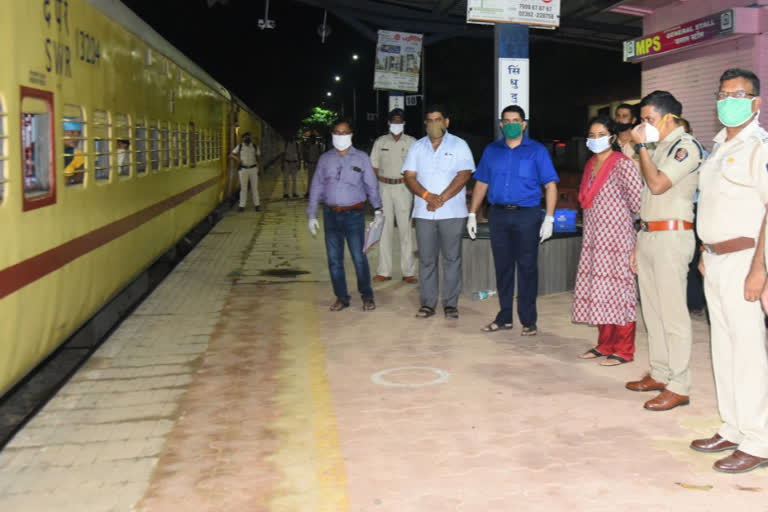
[425,312]
[614,360]
[451,312]
[493,327]
[592,353]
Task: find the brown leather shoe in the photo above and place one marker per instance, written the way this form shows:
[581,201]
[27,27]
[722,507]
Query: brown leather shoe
[647,383]
[739,462]
[666,400]
[410,279]
[377,278]
[713,444]
[339,305]
[368,305]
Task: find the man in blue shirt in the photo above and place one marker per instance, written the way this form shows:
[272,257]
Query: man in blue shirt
[436,169]
[342,181]
[512,172]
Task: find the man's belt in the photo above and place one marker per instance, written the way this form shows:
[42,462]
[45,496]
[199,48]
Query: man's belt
[511,206]
[249,166]
[665,225]
[391,181]
[734,245]
[291,160]
[356,206]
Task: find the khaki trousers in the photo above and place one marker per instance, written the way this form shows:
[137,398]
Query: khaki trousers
[249,175]
[662,276]
[397,202]
[738,352]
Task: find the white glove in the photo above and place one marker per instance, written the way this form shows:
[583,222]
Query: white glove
[472,225]
[378,216]
[314,224]
[546,228]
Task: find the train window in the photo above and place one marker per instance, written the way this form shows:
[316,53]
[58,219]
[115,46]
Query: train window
[165,145]
[175,144]
[140,141]
[101,131]
[74,128]
[193,145]
[183,139]
[123,143]
[205,139]
[3,155]
[154,145]
[37,151]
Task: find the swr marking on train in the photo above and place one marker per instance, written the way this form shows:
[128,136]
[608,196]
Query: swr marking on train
[58,54]
[61,12]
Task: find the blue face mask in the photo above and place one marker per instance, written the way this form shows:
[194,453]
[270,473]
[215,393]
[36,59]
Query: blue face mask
[512,130]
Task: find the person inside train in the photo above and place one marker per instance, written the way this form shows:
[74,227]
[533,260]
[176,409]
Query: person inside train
[123,157]
[74,160]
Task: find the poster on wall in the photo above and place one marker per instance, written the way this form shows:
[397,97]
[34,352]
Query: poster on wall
[514,76]
[536,13]
[398,61]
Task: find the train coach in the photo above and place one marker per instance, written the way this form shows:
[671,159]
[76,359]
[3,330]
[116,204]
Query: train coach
[113,145]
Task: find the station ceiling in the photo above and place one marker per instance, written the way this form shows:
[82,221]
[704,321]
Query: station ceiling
[591,23]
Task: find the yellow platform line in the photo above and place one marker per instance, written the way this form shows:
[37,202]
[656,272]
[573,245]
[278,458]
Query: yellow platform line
[309,455]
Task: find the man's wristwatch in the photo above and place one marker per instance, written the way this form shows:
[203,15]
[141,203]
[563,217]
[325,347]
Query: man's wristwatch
[640,145]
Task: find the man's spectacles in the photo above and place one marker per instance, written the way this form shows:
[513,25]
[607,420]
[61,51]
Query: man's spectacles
[721,95]
[508,121]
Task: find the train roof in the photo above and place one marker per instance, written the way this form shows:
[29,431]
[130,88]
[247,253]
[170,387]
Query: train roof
[126,18]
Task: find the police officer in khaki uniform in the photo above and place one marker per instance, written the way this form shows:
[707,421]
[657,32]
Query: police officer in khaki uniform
[733,196]
[665,247]
[387,157]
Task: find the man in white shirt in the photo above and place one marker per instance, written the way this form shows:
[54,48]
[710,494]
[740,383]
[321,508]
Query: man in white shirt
[248,157]
[436,170]
[387,158]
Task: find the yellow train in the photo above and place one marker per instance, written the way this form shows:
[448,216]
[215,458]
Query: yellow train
[113,145]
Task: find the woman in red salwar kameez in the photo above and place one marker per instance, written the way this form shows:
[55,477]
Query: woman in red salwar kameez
[605,293]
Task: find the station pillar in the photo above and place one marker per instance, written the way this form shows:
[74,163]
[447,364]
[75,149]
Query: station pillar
[512,69]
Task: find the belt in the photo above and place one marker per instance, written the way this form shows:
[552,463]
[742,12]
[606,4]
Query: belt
[734,245]
[347,208]
[291,160]
[511,207]
[249,166]
[391,181]
[665,225]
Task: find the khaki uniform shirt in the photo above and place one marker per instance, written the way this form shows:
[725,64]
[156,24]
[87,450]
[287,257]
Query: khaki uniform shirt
[733,186]
[628,148]
[388,154]
[678,156]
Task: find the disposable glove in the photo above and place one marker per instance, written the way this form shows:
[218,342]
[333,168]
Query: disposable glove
[472,225]
[546,228]
[314,224]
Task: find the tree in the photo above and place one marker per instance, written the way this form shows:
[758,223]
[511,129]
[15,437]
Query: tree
[319,121]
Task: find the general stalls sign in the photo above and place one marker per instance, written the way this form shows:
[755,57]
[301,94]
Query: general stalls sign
[681,36]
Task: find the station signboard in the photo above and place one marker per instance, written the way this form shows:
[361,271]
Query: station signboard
[514,77]
[398,61]
[680,36]
[536,13]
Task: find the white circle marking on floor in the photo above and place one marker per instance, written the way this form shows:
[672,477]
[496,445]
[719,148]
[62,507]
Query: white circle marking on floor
[379,377]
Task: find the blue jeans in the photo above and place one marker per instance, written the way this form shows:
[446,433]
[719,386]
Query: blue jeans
[515,243]
[350,225]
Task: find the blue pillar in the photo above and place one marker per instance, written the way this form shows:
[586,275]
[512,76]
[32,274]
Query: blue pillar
[512,68]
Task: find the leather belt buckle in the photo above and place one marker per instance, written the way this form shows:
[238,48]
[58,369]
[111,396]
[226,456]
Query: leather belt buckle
[510,207]
[643,226]
[708,248]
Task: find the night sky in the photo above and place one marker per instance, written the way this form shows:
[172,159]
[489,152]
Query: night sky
[282,73]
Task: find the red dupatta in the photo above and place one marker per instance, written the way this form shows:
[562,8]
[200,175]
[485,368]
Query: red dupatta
[587,192]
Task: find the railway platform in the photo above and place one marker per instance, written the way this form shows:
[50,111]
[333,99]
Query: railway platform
[234,388]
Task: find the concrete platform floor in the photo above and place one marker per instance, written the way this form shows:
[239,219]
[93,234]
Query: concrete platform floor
[235,389]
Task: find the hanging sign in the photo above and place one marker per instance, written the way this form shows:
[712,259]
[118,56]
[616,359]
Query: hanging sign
[514,77]
[536,13]
[398,61]
[680,36]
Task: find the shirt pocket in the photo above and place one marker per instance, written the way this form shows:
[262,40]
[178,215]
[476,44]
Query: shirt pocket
[352,175]
[526,170]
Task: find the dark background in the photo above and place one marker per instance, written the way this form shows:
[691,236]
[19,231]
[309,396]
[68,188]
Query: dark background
[282,73]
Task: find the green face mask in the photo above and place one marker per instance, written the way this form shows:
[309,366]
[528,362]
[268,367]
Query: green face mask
[734,111]
[512,130]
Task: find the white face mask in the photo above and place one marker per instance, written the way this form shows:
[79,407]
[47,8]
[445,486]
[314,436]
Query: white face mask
[396,128]
[600,144]
[341,142]
[651,133]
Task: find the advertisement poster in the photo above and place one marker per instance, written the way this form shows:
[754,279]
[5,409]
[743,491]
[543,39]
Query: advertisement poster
[398,61]
[536,13]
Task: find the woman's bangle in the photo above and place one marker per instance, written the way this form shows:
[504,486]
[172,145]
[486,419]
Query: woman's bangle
[425,194]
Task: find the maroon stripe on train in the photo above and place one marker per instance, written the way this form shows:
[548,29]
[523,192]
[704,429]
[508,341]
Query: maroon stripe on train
[30,270]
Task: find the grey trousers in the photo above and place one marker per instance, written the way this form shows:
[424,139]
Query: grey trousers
[440,238]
